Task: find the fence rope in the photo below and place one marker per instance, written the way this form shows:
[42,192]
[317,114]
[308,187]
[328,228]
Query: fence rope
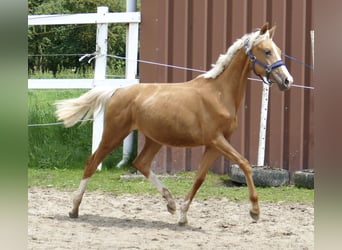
[45,124]
[198,70]
[53,123]
[298,61]
[158,64]
[96,54]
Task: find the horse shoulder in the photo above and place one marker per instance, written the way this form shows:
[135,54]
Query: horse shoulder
[220,113]
[213,104]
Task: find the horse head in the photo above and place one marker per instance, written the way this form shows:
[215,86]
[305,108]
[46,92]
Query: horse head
[266,60]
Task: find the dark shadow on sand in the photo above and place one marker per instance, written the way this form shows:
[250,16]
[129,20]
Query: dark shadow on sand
[125,223]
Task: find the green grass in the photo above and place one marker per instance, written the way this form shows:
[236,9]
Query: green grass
[54,146]
[218,186]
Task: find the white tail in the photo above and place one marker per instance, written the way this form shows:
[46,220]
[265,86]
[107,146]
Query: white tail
[70,111]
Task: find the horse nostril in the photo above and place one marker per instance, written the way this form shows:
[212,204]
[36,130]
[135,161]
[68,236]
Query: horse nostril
[288,81]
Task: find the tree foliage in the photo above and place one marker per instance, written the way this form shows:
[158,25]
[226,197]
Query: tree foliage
[53,48]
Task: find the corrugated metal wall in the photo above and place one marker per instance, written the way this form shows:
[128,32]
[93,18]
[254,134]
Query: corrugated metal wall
[192,33]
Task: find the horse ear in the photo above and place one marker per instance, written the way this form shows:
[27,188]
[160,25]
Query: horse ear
[272,30]
[264,29]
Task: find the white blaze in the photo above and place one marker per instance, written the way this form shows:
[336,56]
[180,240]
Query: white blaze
[283,67]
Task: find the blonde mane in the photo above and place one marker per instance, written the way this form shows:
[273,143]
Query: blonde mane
[224,59]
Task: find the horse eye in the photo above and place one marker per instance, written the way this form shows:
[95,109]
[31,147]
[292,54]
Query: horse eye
[267,52]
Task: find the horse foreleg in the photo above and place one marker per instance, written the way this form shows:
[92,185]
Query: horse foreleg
[89,170]
[143,164]
[208,158]
[228,151]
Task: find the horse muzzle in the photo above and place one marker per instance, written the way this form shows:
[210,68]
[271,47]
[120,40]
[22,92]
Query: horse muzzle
[283,79]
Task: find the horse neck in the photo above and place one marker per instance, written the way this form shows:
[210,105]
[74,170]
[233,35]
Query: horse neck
[232,81]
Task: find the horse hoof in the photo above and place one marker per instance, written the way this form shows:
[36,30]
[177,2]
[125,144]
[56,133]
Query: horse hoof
[254,215]
[73,214]
[182,220]
[171,207]
[182,223]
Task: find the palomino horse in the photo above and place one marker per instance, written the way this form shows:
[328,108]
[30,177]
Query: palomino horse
[202,111]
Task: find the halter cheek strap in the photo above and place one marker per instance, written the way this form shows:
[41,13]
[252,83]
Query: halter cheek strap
[268,68]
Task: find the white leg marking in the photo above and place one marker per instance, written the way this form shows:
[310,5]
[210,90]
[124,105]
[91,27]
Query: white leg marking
[81,189]
[171,205]
[155,181]
[78,198]
[183,213]
[83,185]
[185,206]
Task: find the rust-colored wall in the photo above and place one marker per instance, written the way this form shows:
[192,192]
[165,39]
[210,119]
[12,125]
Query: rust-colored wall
[192,33]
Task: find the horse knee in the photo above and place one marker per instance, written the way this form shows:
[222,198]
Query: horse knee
[248,170]
[245,166]
[253,198]
[200,179]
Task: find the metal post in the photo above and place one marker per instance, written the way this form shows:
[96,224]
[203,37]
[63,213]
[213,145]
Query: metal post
[131,5]
[312,34]
[100,74]
[263,125]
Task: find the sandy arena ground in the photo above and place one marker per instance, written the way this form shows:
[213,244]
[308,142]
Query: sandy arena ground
[142,222]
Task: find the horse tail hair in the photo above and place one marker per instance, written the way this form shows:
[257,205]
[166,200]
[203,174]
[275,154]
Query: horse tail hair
[71,111]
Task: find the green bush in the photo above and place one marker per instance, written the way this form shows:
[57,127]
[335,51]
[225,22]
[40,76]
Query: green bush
[66,43]
[54,146]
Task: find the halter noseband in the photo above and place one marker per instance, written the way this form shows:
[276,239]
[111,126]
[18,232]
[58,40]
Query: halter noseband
[268,68]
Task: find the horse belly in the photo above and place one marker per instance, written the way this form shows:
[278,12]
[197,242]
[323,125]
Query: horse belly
[171,126]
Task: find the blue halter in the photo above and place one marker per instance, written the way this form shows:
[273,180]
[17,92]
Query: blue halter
[268,68]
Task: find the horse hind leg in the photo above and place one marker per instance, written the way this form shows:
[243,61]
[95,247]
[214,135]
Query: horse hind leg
[143,164]
[77,198]
[166,194]
[108,142]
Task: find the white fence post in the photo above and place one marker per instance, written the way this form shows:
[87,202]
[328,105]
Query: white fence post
[99,75]
[101,18]
[263,125]
[132,32]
